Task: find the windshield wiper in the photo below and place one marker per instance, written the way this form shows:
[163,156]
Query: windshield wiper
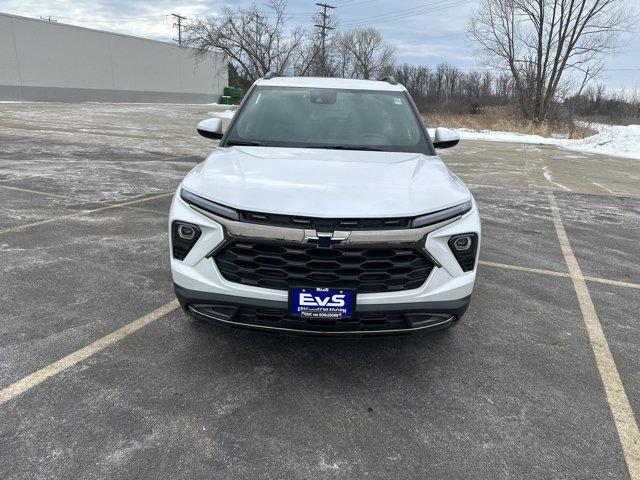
[356,147]
[240,143]
[243,143]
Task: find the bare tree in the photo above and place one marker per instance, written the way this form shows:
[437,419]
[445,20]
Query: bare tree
[366,54]
[253,42]
[545,44]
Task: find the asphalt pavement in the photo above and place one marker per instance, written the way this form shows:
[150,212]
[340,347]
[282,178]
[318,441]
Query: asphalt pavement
[96,382]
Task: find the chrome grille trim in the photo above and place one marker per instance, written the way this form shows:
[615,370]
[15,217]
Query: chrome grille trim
[406,238]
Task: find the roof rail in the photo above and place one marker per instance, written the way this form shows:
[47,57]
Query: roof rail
[390,79]
[271,74]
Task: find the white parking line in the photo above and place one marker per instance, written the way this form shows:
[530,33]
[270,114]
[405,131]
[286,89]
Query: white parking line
[17,228]
[36,378]
[606,281]
[616,395]
[148,210]
[198,158]
[36,192]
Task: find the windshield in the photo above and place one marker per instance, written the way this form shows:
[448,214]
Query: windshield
[329,118]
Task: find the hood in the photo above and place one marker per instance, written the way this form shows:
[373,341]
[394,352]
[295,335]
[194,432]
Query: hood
[326,183]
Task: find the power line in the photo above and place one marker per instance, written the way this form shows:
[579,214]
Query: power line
[178,24]
[413,9]
[409,12]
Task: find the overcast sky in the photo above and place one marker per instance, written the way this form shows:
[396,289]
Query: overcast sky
[423,32]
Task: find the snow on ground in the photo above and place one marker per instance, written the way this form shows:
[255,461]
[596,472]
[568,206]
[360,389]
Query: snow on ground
[225,114]
[619,141]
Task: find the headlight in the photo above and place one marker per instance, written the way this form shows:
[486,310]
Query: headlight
[208,205]
[465,248]
[441,215]
[183,237]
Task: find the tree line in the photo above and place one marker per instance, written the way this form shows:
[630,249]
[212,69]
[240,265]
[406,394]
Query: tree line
[599,105]
[447,88]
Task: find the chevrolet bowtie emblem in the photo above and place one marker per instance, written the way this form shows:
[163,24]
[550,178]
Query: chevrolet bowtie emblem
[326,239]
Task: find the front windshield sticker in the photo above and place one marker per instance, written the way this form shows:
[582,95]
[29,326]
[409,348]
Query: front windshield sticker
[397,101]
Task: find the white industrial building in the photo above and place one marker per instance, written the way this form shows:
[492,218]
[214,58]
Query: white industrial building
[45,61]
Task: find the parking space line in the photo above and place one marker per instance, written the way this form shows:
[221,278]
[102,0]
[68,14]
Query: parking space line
[37,192]
[198,158]
[623,416]
[17,228]
[543,188]
[39,376]
[606,281]
[149,210]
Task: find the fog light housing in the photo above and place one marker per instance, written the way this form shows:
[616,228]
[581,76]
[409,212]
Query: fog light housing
[183,237]
[462,243]
[186,232]
[464,247]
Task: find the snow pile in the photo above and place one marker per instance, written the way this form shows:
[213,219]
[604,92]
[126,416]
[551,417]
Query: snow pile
[225,114]
[619,141]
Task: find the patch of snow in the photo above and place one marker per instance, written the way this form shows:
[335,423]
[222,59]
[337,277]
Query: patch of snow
[603,187]
[495,136]
[324,465]
[225,114]
[549,177]
[615,140]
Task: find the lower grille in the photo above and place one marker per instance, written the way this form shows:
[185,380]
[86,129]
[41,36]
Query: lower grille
[280,319]
[280,267]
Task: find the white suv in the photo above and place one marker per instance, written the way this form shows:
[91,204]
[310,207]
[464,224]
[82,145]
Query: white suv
[325,210]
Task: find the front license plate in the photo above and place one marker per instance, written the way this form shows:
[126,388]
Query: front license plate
[329,303]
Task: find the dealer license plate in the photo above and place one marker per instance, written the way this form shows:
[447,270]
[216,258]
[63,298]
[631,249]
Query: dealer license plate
[322,303]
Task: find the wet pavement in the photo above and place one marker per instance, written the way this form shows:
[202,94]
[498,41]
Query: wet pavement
[512,391]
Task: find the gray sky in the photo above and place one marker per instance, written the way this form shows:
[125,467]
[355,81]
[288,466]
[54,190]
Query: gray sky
[423,32]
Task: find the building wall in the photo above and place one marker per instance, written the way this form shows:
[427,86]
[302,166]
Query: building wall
[43,61]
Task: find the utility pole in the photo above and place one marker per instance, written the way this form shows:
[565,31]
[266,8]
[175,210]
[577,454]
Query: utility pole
[257,43]
[257,21]
[323,33]
[179,19]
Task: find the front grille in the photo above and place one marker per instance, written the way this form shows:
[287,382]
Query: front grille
[326,224]
[361,322]
[281,267]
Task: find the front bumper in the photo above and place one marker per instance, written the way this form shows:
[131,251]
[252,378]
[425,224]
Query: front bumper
[204,291]
[272,316]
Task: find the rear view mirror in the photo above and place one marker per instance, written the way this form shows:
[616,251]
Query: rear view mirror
[211,128]
[445,138]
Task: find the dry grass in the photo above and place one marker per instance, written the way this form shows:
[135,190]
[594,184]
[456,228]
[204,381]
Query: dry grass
[504,119]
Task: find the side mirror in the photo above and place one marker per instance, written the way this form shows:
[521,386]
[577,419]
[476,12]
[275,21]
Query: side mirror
[211,128]
[445,138]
